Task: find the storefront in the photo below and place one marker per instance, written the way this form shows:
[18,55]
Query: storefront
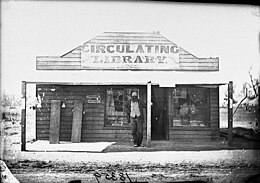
[81,93]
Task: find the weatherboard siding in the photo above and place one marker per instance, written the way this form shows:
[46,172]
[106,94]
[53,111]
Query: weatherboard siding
[72,59]
[73,62]
[93,117]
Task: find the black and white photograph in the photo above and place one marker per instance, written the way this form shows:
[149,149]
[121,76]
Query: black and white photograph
[129,91]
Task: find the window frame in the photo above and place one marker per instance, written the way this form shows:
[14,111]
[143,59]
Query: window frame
[189,126]
[124,87]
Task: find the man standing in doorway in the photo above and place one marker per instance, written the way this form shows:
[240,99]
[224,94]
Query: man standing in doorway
[134,108]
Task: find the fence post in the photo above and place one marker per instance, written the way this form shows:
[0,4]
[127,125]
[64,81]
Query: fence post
[23,117]
[230,113]
[148,130]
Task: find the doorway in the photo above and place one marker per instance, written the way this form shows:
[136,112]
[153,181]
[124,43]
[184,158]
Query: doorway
[159,113]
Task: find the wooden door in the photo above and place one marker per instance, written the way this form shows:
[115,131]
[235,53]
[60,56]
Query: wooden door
[159,113]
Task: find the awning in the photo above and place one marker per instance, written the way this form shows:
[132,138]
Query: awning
[162,78]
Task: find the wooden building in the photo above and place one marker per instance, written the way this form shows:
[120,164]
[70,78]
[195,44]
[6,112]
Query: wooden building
[82,92]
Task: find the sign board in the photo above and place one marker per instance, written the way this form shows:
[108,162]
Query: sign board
[130,56]
[93,99]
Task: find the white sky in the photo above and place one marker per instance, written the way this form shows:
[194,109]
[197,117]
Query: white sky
[45,28]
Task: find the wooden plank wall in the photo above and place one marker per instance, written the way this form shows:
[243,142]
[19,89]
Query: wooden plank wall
[93,117]
[214,111]
[189,62]
[201,133]
[72,59]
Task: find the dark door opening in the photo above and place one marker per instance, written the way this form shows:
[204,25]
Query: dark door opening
[159,113]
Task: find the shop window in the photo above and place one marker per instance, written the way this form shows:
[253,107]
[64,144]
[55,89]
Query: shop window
[115,98]
[190,106]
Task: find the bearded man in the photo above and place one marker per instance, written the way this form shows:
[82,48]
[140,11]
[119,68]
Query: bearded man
[134,108]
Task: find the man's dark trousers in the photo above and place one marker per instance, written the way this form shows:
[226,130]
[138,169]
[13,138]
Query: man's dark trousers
[137,130]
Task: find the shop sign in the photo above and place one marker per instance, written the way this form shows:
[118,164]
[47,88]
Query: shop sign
[130,56]
[93,99]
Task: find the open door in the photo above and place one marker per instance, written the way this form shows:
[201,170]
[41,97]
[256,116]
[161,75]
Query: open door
[159,113]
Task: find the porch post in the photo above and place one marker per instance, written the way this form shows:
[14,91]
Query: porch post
[230,113]
[23,117]
[149,103]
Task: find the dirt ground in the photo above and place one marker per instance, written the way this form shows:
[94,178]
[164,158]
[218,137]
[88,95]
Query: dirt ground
[42,167]
[38,171]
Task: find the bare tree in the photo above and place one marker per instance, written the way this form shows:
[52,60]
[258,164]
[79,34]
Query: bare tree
[251,100]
